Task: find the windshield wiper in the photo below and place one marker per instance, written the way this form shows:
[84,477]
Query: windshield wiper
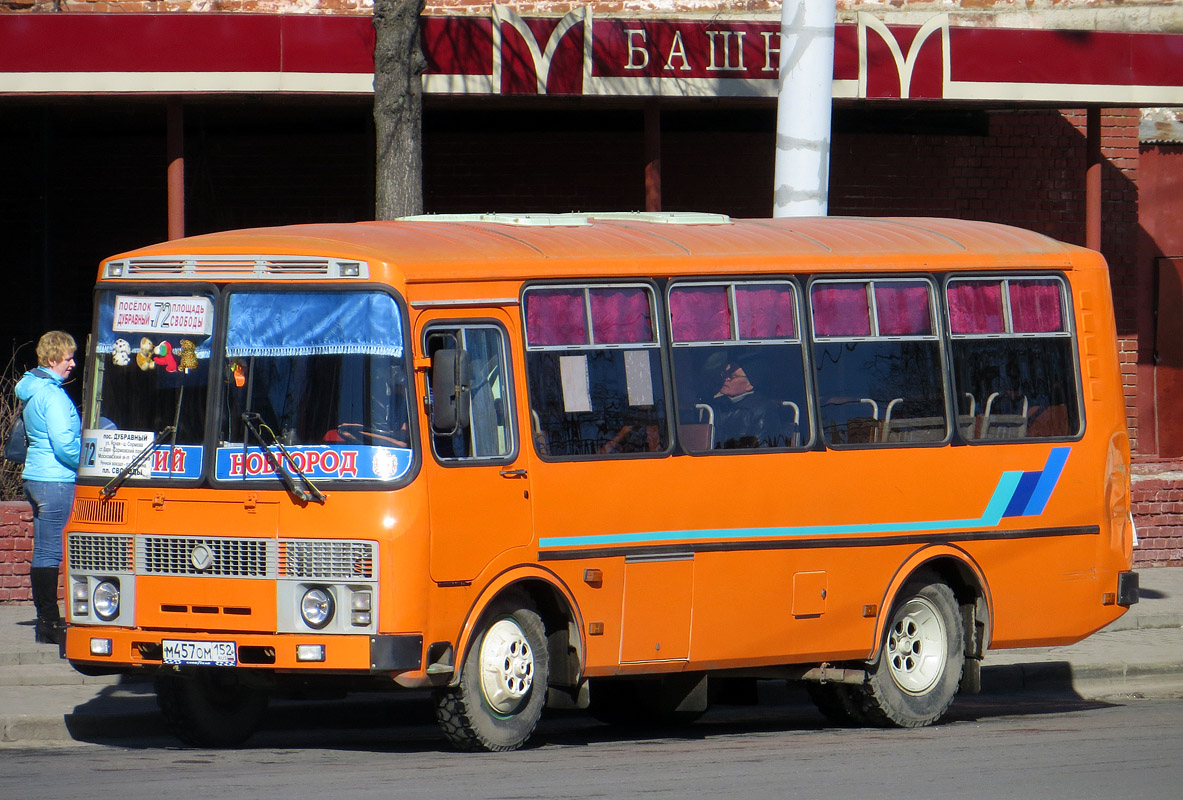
[249,419]
[108,491]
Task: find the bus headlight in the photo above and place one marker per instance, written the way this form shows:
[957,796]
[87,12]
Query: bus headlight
[317,607]
[106,599]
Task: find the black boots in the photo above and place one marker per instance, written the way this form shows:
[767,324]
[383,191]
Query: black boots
[45,598]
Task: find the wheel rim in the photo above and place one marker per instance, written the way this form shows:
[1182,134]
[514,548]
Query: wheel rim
[917,647]
[507,666]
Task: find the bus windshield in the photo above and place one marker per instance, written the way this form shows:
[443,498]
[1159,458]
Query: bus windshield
[321,375]
[149,380]
[313,380]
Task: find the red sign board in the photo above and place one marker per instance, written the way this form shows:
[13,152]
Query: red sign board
[580,54]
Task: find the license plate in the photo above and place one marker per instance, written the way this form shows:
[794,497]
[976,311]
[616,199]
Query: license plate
[206,654]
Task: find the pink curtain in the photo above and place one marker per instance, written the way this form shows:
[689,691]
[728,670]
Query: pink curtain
[700,314]
[765,312]
[1035,306]
[840,309]
[555,317]
[621,316]
[975,307]
[903,308]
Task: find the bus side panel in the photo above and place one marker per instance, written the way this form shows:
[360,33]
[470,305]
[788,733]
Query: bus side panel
[753,526]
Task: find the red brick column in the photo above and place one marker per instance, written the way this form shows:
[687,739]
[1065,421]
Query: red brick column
[16,551]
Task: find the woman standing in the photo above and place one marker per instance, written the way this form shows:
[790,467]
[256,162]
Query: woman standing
[54,432]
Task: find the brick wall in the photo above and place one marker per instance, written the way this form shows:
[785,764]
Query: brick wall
[1158,515]
[1148,15]
[16,551]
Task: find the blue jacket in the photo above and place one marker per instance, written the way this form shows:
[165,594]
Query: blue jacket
[53,428]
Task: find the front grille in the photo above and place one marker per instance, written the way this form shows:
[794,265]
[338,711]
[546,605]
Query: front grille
[105,511]
[304,559]
[97,552]
[326,560]
[212,557]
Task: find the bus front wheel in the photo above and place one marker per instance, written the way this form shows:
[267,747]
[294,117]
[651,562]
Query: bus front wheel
[210,708]
[502,689]
[915,677]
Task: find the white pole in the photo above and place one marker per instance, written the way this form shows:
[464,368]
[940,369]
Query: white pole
[801,178]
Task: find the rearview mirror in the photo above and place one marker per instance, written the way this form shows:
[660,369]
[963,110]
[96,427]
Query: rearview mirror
[449,391]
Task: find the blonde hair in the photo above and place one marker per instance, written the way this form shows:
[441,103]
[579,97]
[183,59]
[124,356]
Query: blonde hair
[55,346]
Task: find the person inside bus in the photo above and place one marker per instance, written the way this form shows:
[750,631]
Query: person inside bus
[744,416]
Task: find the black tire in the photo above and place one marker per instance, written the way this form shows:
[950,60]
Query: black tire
[210,707]
[916,675]
[834,701]
[497,708]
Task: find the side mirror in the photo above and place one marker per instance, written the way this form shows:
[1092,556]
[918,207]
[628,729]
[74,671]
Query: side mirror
[450,399]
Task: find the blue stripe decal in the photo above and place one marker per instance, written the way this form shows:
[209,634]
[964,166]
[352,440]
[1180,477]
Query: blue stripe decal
[1022,494]
[999,503]
[1052,471]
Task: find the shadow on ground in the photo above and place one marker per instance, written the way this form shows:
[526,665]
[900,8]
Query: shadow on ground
[405,723]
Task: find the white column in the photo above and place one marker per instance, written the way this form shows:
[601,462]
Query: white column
[801,178]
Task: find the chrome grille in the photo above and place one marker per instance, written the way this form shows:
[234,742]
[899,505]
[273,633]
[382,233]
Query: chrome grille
[326,560]
[97,552]
[226,557]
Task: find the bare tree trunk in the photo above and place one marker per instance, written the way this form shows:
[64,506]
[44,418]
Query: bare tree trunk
[398,108]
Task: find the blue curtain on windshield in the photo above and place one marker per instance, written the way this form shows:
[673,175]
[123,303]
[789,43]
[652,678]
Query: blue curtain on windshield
[305,324]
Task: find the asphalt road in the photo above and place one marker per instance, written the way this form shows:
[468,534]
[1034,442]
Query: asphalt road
[1023,747]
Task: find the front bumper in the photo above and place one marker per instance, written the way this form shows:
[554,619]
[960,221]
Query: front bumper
[132,649]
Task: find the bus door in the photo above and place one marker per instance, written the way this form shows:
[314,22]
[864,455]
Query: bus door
[478,485]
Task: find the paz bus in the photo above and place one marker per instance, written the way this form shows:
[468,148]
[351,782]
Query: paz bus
[595,461]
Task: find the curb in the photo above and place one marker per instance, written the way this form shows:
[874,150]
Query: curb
[1132,622]
[1090,683]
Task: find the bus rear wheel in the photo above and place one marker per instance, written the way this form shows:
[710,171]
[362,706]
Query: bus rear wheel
[210,708]
[502,689]
[915,677]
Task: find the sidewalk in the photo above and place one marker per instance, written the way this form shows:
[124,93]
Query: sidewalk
[44,701]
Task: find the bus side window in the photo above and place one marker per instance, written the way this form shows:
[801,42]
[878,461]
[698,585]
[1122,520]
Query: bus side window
[1013,358]
[738,364]
[488,433]
[878,362]
[595,370]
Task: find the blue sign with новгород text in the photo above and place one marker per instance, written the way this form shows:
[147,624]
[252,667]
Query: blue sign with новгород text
[317,462]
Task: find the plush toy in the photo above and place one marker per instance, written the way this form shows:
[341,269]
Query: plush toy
[188,355]
[163,355]
[121,353]
[144,357]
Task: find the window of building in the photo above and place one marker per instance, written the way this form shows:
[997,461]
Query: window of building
[738,365]
[1013,364]
[877,361]
[594,367]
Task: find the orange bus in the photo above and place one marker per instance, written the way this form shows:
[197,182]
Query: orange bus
[595,461]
